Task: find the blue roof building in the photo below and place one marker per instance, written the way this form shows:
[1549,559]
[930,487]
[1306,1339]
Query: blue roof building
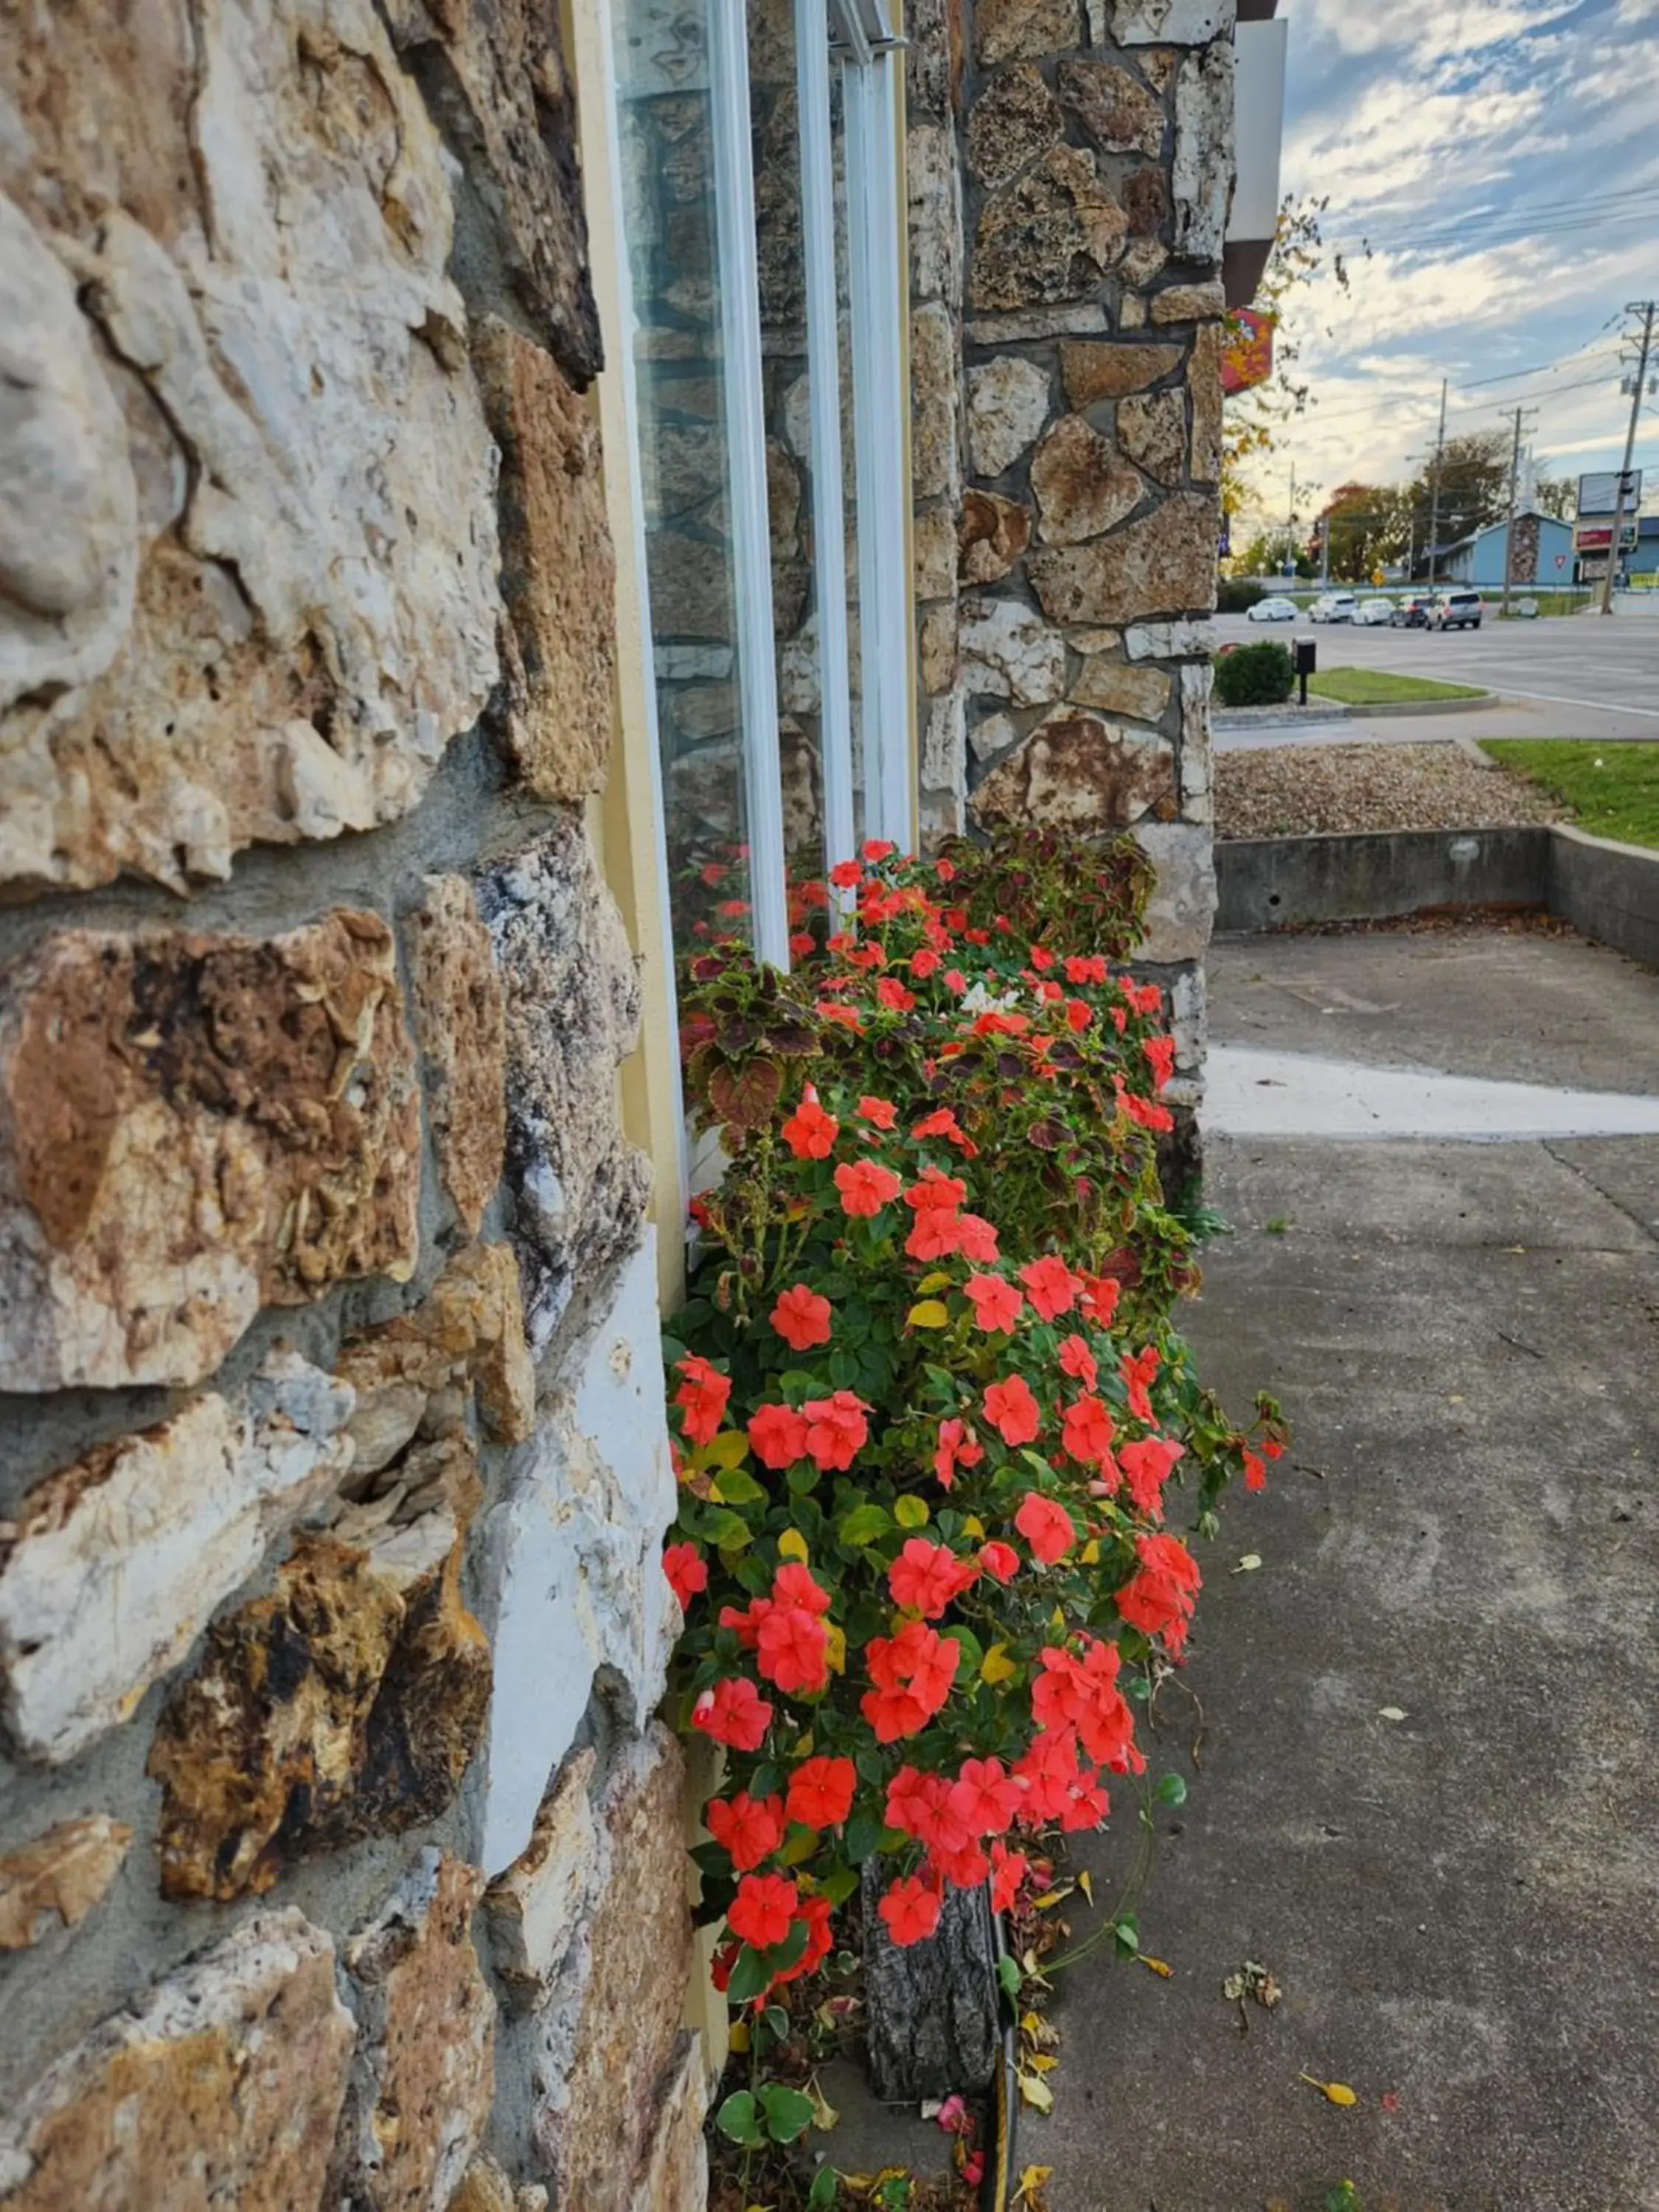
[1543,555]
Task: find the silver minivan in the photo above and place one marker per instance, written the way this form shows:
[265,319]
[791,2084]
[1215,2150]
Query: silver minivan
[1333,607]
[1455,611]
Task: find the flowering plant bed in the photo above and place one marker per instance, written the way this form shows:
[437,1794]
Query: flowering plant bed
[932,1413]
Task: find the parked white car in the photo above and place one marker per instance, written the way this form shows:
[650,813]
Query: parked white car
[1277,609]
[1334,607]
[1374,614]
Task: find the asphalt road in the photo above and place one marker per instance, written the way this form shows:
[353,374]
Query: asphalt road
[1549,667]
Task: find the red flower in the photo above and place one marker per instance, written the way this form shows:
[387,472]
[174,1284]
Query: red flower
[923,963]
[965,1869]
[1160,1052]
[687,1572]
[815,1911]
[810,1133]
[1051,1284]
[934,1187]
[999,1559]
[916,1803]
[877,848]
[1140,1371]
[913,1672]
[955,981]
[1100,1296]
[777,1435]
[983,1798]
[845,874]
[881,1112]
[943,1123]
[790,1647]
[892,994]
[934,1234]
[762,1909]
[836,1429]
[1046,1527]
[1008,1870]
[704,1395]
[1078,1015]
[1255,1470]
[976,1239]
[925,1577]
[865,1186]
[733,1712]
[1159,1600]
[1041,959]
[1077,1361]
[1012,1410]
[801,1318]
[847,1016]
[794,1584]
[910,1910]
[1085,969]
[1087,1433]
[1147,1466]
[749,1829]
[997,1305]
[821,1792]
[1081,1693]
[956,1449]
[894,1714]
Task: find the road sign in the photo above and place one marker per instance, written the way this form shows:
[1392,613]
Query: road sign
[1599,494]
[1560,560]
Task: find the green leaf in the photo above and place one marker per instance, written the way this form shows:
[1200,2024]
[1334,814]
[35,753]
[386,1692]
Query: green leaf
[781,1956]
[910,1511]
[843,1368]
[839,1884]
[864,1524]
[739,2119]
[777,2021]
[863,1835]
[726,1530]
[749,1975]
[1127,1934]
[737,1487]
[826,2187]
[788,2114]
[1008,1975]
[802,1480]
[1171,1790]
[973,1655]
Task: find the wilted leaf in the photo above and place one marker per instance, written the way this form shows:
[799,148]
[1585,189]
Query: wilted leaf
[1390,1713]
[1030,2181]
[997,1666]
[929,1313]
[737,2036]
[910,1511]
[1035,2092]
[835,1648]
[729,1448]
[1339,2092]
[1085,1883]
[1159,1967]
[824,2115]
[1052,1896]
[1249,1564]
[792,1545]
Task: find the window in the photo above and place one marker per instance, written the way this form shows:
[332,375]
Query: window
[762,215]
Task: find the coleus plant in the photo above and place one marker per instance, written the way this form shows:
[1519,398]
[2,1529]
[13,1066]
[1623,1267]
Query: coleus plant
[931,1415]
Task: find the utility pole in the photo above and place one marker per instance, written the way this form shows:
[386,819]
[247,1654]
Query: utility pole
[1434,511]
[1509,528]
[1648,309]
[1290,524]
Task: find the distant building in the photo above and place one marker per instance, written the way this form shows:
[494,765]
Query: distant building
[1543,555]
[1643,560]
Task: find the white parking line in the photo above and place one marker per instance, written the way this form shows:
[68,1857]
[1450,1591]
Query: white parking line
[1585,706]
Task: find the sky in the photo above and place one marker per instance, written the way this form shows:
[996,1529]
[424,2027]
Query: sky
[1500,159]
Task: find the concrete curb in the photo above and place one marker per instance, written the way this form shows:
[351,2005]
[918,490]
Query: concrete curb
[1321,709]
[1405,708]
[1608,890]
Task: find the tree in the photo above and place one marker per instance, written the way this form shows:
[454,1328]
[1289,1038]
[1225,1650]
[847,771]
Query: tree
[1474,484]
[1370,528]
[1254,420]
[1557,496]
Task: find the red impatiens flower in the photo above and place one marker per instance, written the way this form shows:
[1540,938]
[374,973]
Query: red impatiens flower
[687,1572]
[777,1435]
[934,1187]
[924,963]
[1100,1297]
[836,1429]
[1087,1432]
[1046,1527]
[704,1395]
[794,1584]
[892,994]
[1080,1691]
[762,1909]
[911,1909]
[955,981]
[999,1559]
[791,1649]
[1255,1470]
[966,1868]
[1058,1786]
[984,1797]
[801,1318]
[877,848]
[913,1672]
[1051,1286]
[943,1123]
[1090,968]
[976,1240]
[1078,1015]
[1159,1600]
[880,1113]
[733,1712]
[956,1448]
[865,1186]
[1012,1410]
[934,1234]
[926,1576]
[997,1305]
[1140,1371]
[748,1829]
[810,1133]
[1147,1466]
[845,874]
[815,1911]
[916,1805]
[1008,1870]
[1160,1052]
[1077,1361]
[821,1791]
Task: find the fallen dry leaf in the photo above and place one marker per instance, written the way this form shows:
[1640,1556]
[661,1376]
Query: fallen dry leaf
[1339,2092]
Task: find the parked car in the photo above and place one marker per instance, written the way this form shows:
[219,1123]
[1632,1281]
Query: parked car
[1456,611]
[1374,614]
[1412,612]
[1277,609]
[1334,607]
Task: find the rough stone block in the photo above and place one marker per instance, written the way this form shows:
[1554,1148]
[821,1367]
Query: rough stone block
[1169,641]
[190,1127]
[534,1908]
[676,2174]
[1189,303]
[1204,378]
[346,1704]
[933,186]
[116,1563]
[1008,652]
[1025,329]
[935,366]
[936,652]
[1009,30]
[1172,22]
[458,1018]
[1008,404]
[609,2042]
[572,1011]
[993,535]
[945,756]
[1162,564]
[1121,687]
[60,1877]
[1078,773]
[1050,237]
[222,2086]
[423,2073]
[1189,1018]
[558,572]
[1083,486]
[1119,113]
[1202,173]
[1152,428]
[573,1552]
[1013,120]
[934,543]
[1108,371]
[933,61]
[1183,905]
[467,1333]
[258,595]
[493,75]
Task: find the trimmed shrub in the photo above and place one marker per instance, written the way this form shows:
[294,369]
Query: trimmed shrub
[1254,675]
[1237,595]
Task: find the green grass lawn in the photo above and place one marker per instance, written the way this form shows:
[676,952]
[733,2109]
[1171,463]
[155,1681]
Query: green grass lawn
[1377,687]
[1613,790]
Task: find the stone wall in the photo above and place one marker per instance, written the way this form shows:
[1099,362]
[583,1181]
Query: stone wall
[340,1856]
[1067,409]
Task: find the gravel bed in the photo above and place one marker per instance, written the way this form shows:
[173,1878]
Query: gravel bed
[1296,791]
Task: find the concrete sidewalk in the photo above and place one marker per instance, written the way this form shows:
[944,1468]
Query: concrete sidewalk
[1424,1791]
[1508,717]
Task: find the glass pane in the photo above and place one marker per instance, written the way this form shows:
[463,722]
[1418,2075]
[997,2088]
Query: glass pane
[850,458]
[666,132]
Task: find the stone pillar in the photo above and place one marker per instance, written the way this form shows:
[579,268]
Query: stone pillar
[1095,145]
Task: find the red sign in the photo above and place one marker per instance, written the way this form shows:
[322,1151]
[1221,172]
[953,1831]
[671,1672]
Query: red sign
[1247,350]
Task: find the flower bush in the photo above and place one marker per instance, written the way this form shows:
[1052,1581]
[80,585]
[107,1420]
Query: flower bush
[931,1415]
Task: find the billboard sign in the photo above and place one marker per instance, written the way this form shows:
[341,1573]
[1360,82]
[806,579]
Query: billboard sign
[1247,350]
[1597,537]
[1599,494]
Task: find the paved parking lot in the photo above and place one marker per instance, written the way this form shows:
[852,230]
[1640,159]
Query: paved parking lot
[1556,671]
